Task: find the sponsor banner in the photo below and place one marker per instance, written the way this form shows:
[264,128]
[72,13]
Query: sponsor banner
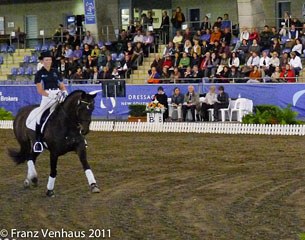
[14,97]
[89,12]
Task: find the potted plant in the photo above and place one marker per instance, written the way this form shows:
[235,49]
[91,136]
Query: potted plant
[137,113]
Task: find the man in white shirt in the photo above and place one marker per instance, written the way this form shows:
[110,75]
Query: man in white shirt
[295,63]
[264,63]
[252,61]
[139,37]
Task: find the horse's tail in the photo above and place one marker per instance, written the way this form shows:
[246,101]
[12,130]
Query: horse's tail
[18,156]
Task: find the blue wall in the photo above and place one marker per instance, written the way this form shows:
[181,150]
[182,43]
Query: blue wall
[15,96]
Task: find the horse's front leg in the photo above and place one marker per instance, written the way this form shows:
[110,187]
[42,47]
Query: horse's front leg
[52,177]
[82,154]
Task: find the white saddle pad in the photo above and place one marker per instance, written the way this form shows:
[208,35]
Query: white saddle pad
[32,119]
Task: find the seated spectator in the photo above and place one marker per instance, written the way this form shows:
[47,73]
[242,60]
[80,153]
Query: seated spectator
[77,54]
[243,51]
[265,38]
[252,61]
[196,48]
[70,67]
[293,33]
[165,75]
[254,47]
[130,48]
[95,52]
[255,75]
[138,54]
[274,33]
[244,34]
[223,76]
[178,38]
[221,102]
[68,40]
[226,23]
[161,97]
[157,63]
[234,60]
[125,69]
[204,48]
[285,59]
[78,75]
[217,23]
[276,75]
[191,101]
[176,60]
[177,48]
[206,36]
[86,51]
[68,52]
[195,60]
[90,63]
[148,42]
[264,64]
[115,74]
[209,101]
[254,35]
[235,76]
[167,63]
[187,74]
[287,75]
[224,49]
[275,46]
[184,61]
[187,48]
[169,50]
[206,24]
[297,48]
[196,74]
[104,74]
[62,67]
[215,35]
[227,36]
[187,35]
[224,61]
[212,66]
[154,77]
[176,104]
[215,48]
[176,76]
[138,37]
[295,63]
[274,62]
[88,39]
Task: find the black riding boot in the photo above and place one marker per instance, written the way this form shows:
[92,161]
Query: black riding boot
[38,145]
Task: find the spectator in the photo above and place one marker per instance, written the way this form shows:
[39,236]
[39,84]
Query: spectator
[68,52]
[196,48]
[148,42]
[154,77]
[284,60]
[177,19]
[297,48]
[187,74]
[191,101]
[244,35]
[243,51]
[195,60]
[131,30]
[209,101]
[177,48]
[86,51]
[150,19]
[138,54]
[266,38]
[187,48]
[187,35]
[161,97]
[224,49]
[165,27]
[176,75]
[226,37]
[252,61]
[165,74]
[275,46]
[264,64]
[125,69]
[206,36]
[178,38]
[104,74]
[109,63]
[138,38]
[78,75]
[255,75]
[276,75]
[217,23]
[145,22]
[274,33]
[88,39]
[184,61]
[235,76]
[285,24]
[287,75]
[95,52]
[115,74]
[254,47]
[204,48]
[221,102]
[176,104]
[215,36]
[226,23]
[77,54]
[157,63]
[90,63]
[205,24]
[169,50]
[167,63]
[234,60]
[176,60]
[274,62]
[196,74]
[254,35]
[293,34]
[295,63]
[224,61]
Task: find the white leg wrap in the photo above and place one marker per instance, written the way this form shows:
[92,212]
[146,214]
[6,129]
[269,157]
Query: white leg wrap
[90,176]
[31,170]
[51,183]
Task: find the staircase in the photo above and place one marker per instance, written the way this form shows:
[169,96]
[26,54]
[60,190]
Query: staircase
[12,60]
[140,75]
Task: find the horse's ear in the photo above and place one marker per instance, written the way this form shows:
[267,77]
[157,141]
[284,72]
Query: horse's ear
[93,95]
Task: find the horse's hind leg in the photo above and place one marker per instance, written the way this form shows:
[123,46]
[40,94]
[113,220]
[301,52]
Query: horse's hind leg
[32,173]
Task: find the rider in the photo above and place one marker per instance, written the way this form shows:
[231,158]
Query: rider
[50,86]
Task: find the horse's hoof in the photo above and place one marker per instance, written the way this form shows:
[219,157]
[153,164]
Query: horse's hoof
[94,188]
[34,181]
[50,193]
[26,183]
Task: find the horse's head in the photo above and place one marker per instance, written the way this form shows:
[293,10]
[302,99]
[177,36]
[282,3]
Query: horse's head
[84,109]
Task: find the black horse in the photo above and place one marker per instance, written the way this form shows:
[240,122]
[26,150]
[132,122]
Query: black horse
[64,132]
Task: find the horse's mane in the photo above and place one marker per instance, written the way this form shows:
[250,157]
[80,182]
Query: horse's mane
[74,93]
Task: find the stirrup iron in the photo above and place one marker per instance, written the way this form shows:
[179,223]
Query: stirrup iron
[38,147]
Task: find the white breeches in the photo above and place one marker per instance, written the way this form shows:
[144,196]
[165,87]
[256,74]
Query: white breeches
[171,109]
[46,103]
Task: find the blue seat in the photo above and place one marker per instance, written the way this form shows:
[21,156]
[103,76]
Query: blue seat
[100,44]
[286,50]
[120,57]
[114,56]
[21,71]
[29,71]
[234,41]
[45,47]
[37,48]
[284,39]
[33,59]
[26,59]
[1,60]
[11,49]
[4,48]
[14,71]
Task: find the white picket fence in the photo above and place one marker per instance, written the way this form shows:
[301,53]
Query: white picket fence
[177,127]
[184,127]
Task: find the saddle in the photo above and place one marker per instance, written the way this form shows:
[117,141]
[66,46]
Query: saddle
[32,119]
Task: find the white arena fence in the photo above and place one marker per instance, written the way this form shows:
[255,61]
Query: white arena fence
[190,127]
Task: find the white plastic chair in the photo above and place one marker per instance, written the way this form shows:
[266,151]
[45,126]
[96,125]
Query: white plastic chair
[223,111]
[241,107]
